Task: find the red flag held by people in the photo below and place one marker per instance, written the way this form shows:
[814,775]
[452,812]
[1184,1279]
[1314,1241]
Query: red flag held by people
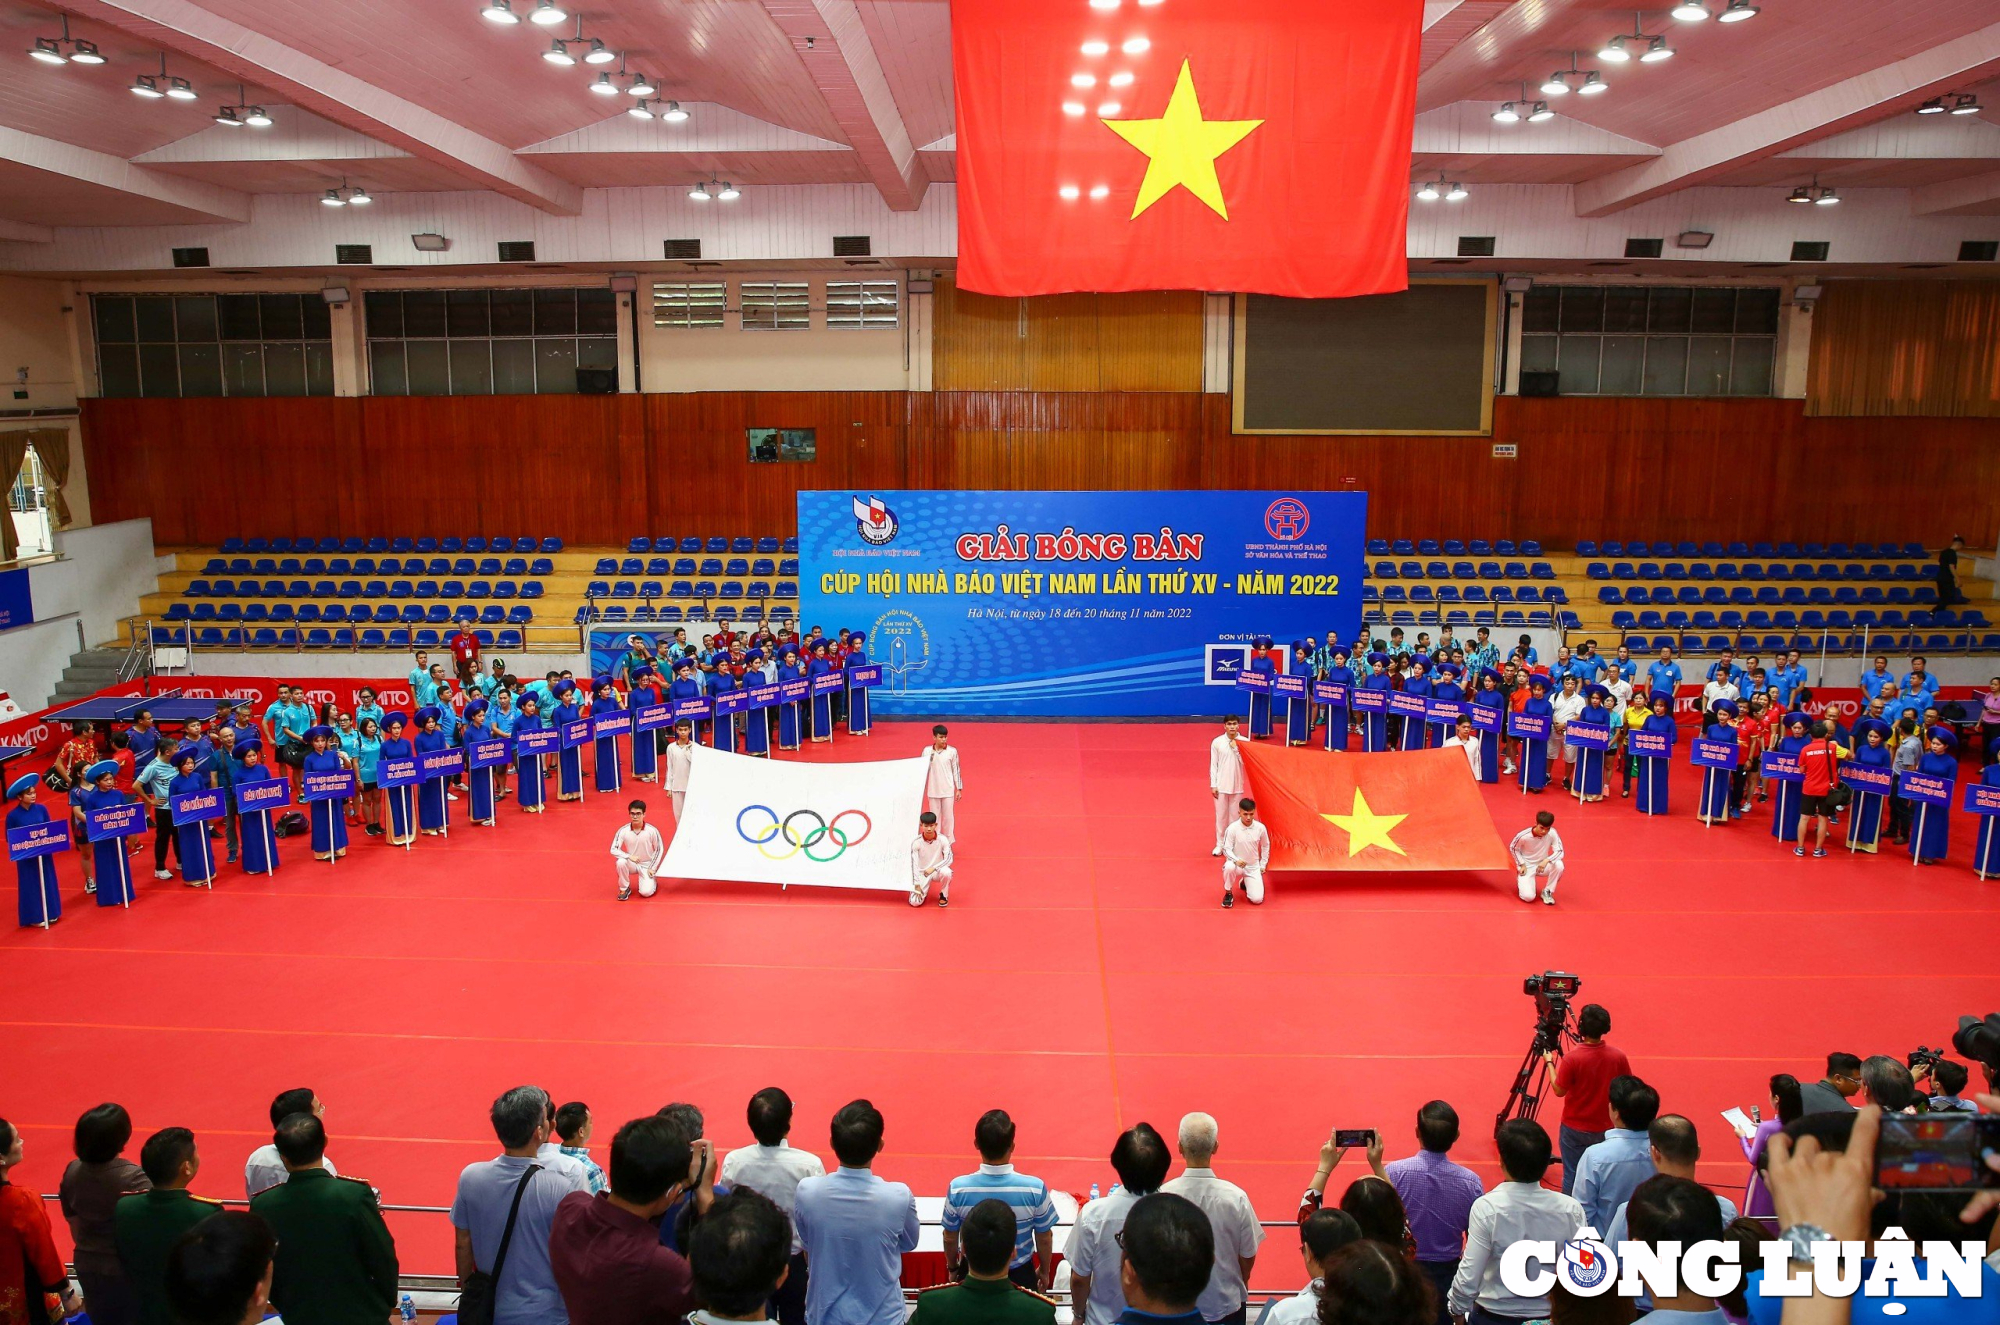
[1412,812]
[1253,145]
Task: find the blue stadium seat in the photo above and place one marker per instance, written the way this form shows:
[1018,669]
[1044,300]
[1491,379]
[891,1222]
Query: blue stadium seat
[178,612]
[789,566]
[310,612]
[506,589]
[479,589]
[1475,593]
[232,545]
[1403,547]
[641,544]
[681,589]
[438,614]
[203,612]
[785,590]
[1610,594]
[1427,547]
[1385,570]
[790,547]
[229,612]
[758,589]
[373,639]
[399,639]
[1378,547]
[585,615]
[689,544]
[426,589]
[652,589]
[624,589]
[617,612]
[1530,548]
[704,588]
[452,589]
[737,566]
[763,566]
[520,615]
[507,639]
[1422,594]
[1436,570]
[1652,621]
[630,566]
[531,589]
[284,544]
[492,615]
[767,546]
[215,566]
[551,546]
[742,546]
[411,615]
[503,544]
[710,566]
[659,566]
[643,612]
[1541,570]
[731,589]
[716,545]
[488,566]
[202,588]
[1454,548]
[424,545]
[1516,570]
[540,566]
[597,589]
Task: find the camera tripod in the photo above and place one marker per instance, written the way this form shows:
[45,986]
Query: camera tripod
[1524,1098]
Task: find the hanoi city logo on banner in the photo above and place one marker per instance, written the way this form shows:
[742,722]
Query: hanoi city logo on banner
[875,521]
[1287,519]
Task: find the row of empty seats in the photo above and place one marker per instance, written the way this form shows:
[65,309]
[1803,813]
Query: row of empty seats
[1375,614]
[1786,619]
[462,566]
[671,615]
[690,589]
[1451,593]
[287,637]
[1463,570]
[362,589]
[741,545]
[1754,570]
[739,566]
[1452,547]
[1688,595]
[1641,548]
[324,546]
[335,613]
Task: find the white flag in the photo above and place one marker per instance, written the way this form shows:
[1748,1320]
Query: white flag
[770,821]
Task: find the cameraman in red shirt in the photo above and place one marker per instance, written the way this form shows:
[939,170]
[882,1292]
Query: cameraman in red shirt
[1582,1081]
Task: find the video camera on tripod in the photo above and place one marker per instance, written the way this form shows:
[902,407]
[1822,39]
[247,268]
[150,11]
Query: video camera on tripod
[1553,992]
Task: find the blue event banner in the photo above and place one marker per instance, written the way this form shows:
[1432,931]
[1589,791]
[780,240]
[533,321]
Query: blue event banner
[1071,604]
[1982,798]
[337,785]
[731,702]
[541,741]
[1781,767]
[572,734]
[489,753]
[196,806]
[1289,687]
[397,773]
[434,764]
[127,820]
[794,690]
[763,696]
[616,722]
[864,676]
[1407,704]
[1331,693]
[1587,736]
[1924,789]
[38,840]
[1530,726]
[691,708]
[1649,745]
[1369,700]
[263,794]
[1486,717]
[1704,753]
[1868,778]
[652,717]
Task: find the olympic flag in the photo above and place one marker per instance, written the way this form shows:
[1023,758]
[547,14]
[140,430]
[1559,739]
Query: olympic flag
[827,825]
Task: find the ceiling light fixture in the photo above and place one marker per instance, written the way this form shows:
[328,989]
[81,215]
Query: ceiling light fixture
[673,114]
[1935,106]
[1656,51]
[1614,52]
[1074,108]
[65,49]
[1083,80]
[1101,190]
[1967,104]
[547,14]
[1556,85]
[1539,112]
[558,52]
[1814,192]
[1104,4]
[1507,114]
[1827,198]
[358,196]
[501,12]
[1107,109]
[599,53]
[1429,192]
[145,85]
[257,118]
[84,52]
[180,89]
[604,87]
[332,198]
[728,193]
[1800,194]
[1070,192]
[1457,193]
[1738,11]
[1691,11]
[226,115]
[640,110]
[1592,85]
[642,86]
[700,192]
[48,50]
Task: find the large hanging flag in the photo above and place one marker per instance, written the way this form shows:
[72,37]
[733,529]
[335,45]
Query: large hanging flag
[1254,145]
[1419,811]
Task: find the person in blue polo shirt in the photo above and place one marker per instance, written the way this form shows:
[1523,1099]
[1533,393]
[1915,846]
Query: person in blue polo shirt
[1788,677]
[1033,1262]
[142,738]
[1664,674]
[1920,686]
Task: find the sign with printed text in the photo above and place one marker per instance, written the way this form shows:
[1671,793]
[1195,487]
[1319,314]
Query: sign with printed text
[864,676]
[1587,736]
[572,734]
[617,722]
[1058,604]
[652,717]
[1486,717]
[1650,745]
[1982,798]
[1446,711]
[1258,683]
[691,708]
[1407,704]
[1924,789]
[1530,726]
[732,702]
[793,690]
[1367,699]
[263,794]
[1704,753]
[1869,778]
[1781,767]
[397,773]
[826,683]
[1288,687]
[334,786]
[541,741]
[38,840]
[108,821]
[196,806]
[490,753]
[433,764]
[764,696]
[1331,693]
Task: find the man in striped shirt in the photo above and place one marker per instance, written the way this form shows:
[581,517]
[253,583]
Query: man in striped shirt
[1033,1265]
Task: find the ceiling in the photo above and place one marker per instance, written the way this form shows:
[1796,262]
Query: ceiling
[425,96]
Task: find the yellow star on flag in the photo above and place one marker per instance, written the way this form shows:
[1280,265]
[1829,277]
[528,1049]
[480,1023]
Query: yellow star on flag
[1182,147]
[1365,828]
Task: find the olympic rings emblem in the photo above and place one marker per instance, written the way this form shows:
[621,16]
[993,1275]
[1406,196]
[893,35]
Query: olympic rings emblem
[803,842]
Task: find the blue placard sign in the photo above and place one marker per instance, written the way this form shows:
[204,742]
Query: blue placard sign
[1486,717]
[826,683]
[1587,736]
[488,753]
[333,786]
[763,696]
[1982,798]
[691,708]
[793,690]
[38,840]
[263,794]
[1288,686]
[652,717]
[1331,693]
[17,601]
[572,734]
[1530,726]
[1446,711]
[196,806]
[1704,753]
[1367,699]
[1649,745]
[434,764]
[1255,682]
[865,676]
[1407,704]
[1924,789]
[127,820]
[1869,778]
[732,702]
[1781,767]
[540,741]
[397,773]
[612,722]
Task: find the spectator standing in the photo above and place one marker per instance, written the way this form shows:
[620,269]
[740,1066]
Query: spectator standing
[1821,761]
[604,1250]
[145,1226]
[1141,1161]
[1519,1209]
[265,1169]
[1033,1263]
[701,1193]
[1920,686]
[524,1289]
[1609,1170]
[856,1228]
[1785,1107]
[1676,1149]
[91,1187]
[1833,1093]
[1675,1208]
[775,1169]
[30,1265]
[739,1256]
[1909,754]
[1582,1080]
[335,1263]
[1437,1195]
[1321,1233]
[1948,592]
[573,1129]
[221,1272]
[1169,1254]
[990,1295]
[1989,723]
[1233,1222]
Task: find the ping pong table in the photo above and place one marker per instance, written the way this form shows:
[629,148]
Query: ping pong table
[8,754]
[168,707]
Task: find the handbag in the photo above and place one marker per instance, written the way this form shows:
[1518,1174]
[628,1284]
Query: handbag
[292,754]
[476,1295]
[1840,793]
[55,781]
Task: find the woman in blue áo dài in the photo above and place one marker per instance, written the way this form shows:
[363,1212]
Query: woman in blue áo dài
[113,872]
[402,803]
[328,818]
[41,899]
[197,857]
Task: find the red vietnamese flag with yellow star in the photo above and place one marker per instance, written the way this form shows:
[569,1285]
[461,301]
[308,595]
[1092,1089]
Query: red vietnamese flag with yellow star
[1414,812]
[1251,145]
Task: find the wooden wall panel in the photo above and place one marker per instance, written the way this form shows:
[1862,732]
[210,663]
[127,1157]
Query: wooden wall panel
[1905,348]
[601,469]
[1148,341]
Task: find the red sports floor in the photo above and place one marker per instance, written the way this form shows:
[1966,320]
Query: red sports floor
[1084,978]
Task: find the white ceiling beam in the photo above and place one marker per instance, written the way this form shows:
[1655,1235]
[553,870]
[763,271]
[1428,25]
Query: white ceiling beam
[1978,195]
[1877,94]
[18,232]
[833,45]
[1468,128]
[294,135]
[205,201]
[1489,53]
[335,95]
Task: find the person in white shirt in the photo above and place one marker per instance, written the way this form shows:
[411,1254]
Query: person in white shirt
[1246,850]
[638,850]
[1621,691]
[680,758]
[1538,856]
[1719,687]
[265,1169]
[1565,707]
[1230,1217]
[930,862]
[1519,1209]
[772,1168]
[1226,784]
[1467,740]
[1321,1234]
[1141,1160]
[943,784]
